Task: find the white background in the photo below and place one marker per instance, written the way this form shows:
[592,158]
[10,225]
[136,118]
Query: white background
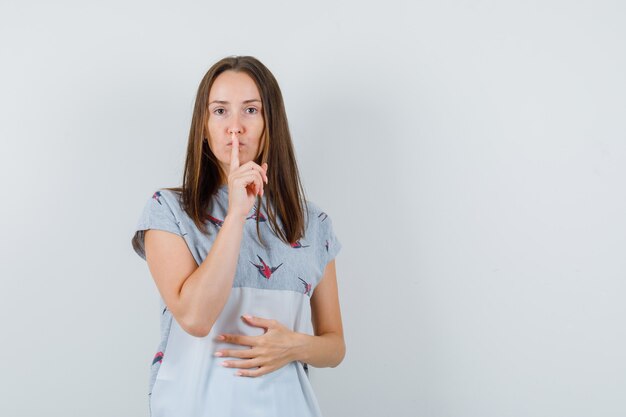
[472,155]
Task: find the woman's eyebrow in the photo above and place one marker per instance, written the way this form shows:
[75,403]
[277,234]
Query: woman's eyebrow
[226,102]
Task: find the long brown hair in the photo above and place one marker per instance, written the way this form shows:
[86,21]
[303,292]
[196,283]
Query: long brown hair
[201,177]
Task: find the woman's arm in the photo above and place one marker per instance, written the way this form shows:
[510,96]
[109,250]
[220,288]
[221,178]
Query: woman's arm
[195,294]
[327,348]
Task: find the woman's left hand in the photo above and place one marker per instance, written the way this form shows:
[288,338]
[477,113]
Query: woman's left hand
[269,352]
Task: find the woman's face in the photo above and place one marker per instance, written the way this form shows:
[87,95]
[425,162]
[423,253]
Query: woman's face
[235,106]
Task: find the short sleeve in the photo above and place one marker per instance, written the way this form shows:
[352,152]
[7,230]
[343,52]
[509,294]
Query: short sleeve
[329,241]
[157,214]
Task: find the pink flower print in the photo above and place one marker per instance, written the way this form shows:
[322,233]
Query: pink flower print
[307,287]
[298,245]
[264,269]
[217,222]
[157,358]
[157,196]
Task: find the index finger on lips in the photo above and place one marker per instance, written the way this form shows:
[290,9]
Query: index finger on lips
[234,153]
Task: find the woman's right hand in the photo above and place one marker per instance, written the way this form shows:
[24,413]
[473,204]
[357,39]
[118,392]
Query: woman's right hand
[245,182]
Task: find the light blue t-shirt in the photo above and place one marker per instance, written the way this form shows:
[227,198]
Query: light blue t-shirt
[274,282]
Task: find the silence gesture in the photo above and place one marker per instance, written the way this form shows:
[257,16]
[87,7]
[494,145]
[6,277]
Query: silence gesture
[245,182]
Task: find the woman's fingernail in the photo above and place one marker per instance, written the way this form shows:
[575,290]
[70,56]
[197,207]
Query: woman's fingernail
[225,364]
[218,354]
[221,337]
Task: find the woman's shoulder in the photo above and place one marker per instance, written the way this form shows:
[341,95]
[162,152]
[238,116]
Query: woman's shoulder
[166,202]
[313,208]
[172,192]
[316,212]
[171,196]
[320,227]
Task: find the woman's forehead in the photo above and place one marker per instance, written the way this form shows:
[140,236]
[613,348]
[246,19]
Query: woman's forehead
[237,87]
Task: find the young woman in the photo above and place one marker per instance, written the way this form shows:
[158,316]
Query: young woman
[243,262]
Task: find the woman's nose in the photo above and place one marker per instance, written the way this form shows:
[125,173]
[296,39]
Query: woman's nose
[234,125]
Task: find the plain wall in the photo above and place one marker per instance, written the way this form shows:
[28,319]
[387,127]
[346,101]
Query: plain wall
[472,156]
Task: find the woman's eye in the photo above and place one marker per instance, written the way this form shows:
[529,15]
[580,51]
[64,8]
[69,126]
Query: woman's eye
[253,110]
[216,111]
